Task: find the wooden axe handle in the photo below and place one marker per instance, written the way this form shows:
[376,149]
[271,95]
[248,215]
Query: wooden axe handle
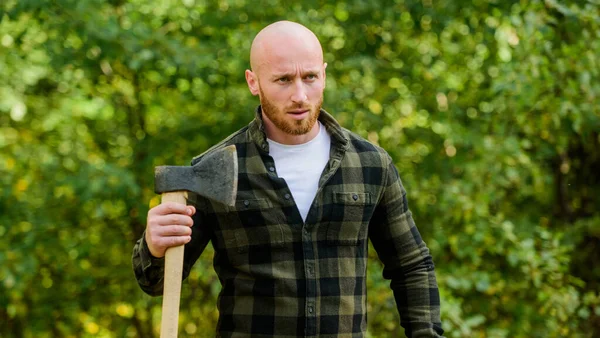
[173,277]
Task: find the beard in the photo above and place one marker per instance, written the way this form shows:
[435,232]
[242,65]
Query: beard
[292,127]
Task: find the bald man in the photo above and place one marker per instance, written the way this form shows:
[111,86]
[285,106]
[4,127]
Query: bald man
[291,255]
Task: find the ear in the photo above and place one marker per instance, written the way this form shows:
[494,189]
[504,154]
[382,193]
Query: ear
[324,75]
[252,81]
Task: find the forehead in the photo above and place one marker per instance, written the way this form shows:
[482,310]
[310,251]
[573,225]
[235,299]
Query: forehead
[281,55]
[291,65]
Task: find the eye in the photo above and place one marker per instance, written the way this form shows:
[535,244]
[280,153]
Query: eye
[284,79]
[311,76]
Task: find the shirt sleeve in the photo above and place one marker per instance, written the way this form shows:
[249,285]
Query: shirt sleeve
[149,270]
[406,259]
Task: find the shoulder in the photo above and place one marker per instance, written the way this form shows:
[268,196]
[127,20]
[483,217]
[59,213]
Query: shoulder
[366,149]
[237,138]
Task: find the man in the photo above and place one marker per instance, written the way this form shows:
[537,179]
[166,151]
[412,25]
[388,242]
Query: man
[292,254]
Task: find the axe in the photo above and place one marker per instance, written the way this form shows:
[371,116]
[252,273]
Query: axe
[213,177]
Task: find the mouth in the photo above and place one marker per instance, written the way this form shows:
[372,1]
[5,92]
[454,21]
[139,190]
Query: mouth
[299,113]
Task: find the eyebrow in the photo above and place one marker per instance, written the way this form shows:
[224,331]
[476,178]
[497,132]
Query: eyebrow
[308,72]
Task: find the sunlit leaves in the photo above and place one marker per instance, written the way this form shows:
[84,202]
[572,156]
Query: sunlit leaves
[488,108]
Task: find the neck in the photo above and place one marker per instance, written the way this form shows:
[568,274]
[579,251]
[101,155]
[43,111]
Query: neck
[282,137]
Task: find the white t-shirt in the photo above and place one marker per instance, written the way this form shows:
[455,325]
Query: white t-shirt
[301,166]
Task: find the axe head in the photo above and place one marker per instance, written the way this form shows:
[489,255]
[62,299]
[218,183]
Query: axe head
[214,176]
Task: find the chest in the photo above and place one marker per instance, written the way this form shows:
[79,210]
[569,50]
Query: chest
[265,224]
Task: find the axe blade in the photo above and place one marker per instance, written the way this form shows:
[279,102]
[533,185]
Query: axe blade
[214,176]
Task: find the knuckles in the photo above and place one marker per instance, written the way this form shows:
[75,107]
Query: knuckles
[168,225]
[175,219]
[168,208]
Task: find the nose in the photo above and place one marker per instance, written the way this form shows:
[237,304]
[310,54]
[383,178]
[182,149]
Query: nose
[299,93]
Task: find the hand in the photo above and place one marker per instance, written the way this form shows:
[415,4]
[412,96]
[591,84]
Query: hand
[169,224]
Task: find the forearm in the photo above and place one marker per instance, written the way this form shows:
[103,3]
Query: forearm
[416,293]
[148,270]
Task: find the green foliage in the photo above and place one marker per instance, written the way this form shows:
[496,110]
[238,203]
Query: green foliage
[489,108]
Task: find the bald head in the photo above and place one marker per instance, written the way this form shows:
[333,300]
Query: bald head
[283,35]
[288,75]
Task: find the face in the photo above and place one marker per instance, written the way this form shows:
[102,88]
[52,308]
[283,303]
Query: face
[294,117]
[290,81]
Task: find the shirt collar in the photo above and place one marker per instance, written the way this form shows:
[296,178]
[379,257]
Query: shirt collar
[257,133]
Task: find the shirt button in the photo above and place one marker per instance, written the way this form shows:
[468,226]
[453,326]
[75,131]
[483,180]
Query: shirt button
[310,309]
[355,197]
[287,196]
[271,169]
[246,202]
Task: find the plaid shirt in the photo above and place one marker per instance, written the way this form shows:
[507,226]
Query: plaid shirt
[283,277]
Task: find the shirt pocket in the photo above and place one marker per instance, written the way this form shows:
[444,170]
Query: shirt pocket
[349,218]
[253,222]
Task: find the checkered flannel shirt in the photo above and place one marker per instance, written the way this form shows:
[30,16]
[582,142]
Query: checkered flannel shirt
[285,277]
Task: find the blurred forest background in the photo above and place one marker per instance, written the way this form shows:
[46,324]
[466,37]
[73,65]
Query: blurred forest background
[490,109]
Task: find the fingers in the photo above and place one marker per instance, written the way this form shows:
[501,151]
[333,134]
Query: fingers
[173,219]
[173,230]
[169,224]
[163,243]
[172,208]
[160,238]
